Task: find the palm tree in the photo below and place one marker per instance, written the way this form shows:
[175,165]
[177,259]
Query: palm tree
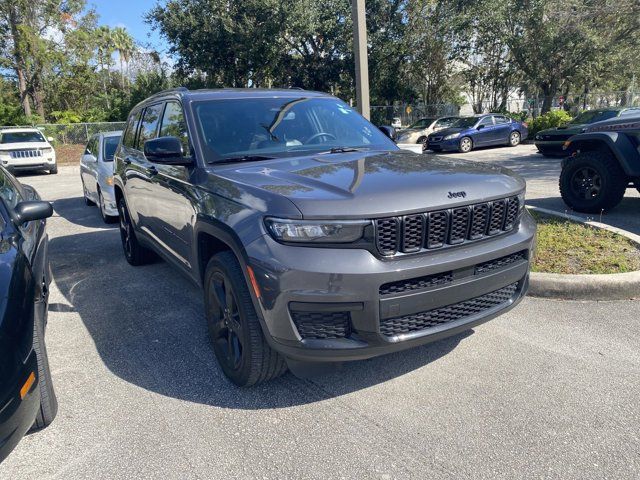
[123,43]
[104,43]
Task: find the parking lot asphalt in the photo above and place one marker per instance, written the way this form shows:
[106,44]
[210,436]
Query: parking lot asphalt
[542,174]
[549,390]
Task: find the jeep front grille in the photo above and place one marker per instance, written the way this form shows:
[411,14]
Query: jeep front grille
[414,233]
[451,313]
[25,153]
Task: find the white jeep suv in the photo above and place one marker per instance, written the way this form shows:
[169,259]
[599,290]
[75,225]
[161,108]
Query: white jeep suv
[26,149]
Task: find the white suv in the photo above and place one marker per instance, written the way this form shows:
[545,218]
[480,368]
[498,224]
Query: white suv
[26,149]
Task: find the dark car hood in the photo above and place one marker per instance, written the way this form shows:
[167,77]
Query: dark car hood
[448,131]
[565,131]
[374,184]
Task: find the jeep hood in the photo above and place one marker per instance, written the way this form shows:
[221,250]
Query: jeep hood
[373,184]
[23,146]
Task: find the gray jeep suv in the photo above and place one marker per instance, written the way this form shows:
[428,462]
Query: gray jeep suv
[314,237]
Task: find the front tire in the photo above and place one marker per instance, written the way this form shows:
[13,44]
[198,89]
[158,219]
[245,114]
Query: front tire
[465,145]
[53,170]
[135,253]
[592,182]
[514,139]
[236,334]
[422,141]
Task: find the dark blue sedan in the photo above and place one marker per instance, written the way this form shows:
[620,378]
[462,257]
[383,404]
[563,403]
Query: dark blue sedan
[27,399]
[477,131]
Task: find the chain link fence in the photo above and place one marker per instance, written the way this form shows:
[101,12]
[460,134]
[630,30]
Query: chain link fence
[74,133]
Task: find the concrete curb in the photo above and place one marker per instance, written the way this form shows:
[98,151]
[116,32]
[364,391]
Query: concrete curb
[617,286]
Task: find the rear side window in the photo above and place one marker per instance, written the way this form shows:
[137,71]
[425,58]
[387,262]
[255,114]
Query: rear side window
[92,147]
[149,124]
[129,138]
[173,125]
[110,144]
[501,119]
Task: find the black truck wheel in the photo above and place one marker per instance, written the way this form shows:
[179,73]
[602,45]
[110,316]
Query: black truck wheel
[238,342]
[592,181]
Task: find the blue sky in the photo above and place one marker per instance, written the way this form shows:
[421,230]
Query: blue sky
[129,14]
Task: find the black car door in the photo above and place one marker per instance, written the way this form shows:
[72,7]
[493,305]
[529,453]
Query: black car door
[140,172]
[173,194]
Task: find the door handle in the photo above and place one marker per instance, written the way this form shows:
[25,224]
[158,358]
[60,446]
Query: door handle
[153,171]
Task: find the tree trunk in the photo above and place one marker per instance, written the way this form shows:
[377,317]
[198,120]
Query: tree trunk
[19,61]
[549,91]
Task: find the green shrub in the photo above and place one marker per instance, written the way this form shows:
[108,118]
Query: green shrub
[552,119]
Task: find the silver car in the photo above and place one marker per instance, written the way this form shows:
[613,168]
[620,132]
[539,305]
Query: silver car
[419,131]
[96,173]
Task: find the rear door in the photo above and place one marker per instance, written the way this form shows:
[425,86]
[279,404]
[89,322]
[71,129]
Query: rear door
[140,172]
[503,129]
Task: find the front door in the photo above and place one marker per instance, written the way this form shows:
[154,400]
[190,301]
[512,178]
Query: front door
[485,132]
[173,196]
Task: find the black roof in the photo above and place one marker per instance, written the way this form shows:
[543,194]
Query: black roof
[226,93]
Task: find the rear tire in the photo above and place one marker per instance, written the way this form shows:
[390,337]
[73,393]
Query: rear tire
[234,328]
[48,401]
[465,145]
[592,181]
[514,139]
[135,253]
[422,141]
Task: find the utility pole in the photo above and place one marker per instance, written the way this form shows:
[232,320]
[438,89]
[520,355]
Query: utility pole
[360,52]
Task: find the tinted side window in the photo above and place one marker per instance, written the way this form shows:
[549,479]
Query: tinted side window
[501,119]
[129,138]
[8,191]
[173,125]
[486,121]
[149,124]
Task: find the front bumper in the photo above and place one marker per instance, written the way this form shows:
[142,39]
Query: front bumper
[43,163]
[550,147]
[109,198]
[443,145]
[17,415]
[331,283]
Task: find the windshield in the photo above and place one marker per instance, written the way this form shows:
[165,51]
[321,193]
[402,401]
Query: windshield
[21,137]
[110,145]
[465,122]
[276,127]
[423,123]
[593,116]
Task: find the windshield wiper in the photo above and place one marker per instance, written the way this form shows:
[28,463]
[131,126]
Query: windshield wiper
[343,150]
[245,158]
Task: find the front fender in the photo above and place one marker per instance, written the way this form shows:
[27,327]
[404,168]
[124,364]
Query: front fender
[619,144]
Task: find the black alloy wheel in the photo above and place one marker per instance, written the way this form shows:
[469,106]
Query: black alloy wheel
[586,183]
[226,328]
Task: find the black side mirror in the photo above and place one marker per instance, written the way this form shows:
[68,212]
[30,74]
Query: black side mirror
[31,210]
[388,131]
[166,150]
[479,127]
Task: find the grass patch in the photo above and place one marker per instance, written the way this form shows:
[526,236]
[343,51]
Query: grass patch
[571,247]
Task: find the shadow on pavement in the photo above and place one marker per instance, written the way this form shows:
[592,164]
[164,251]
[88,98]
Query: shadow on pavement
[149,329]
[76,211]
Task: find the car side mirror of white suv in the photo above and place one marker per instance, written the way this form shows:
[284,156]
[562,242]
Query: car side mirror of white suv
[50,139]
